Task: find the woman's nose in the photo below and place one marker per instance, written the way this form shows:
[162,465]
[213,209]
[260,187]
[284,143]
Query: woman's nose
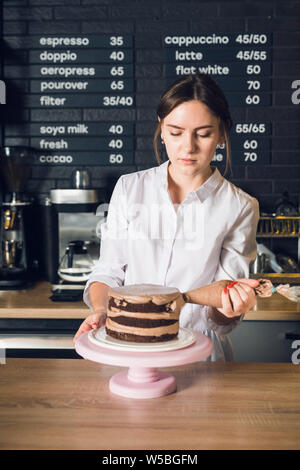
[189,143]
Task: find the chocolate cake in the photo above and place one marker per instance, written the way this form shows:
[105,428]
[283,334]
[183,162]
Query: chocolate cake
[142,313]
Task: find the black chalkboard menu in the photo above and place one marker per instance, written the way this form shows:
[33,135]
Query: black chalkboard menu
[82,71]
[241,64]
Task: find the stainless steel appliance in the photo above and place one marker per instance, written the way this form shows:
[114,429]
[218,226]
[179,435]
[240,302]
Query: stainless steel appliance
[15,220]
[71,239]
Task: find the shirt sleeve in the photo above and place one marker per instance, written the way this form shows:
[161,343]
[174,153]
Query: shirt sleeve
[238,251]
[111,266]
[239,246]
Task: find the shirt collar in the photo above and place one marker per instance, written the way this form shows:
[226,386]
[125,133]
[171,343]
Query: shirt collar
[205,190]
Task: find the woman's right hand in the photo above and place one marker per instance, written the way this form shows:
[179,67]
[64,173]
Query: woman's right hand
[96,320]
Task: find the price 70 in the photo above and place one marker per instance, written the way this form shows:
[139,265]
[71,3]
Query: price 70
[253,84]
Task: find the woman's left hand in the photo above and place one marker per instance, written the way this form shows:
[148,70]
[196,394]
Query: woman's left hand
[239,298]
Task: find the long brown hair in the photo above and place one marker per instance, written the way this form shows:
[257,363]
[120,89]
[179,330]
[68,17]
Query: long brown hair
[199,87]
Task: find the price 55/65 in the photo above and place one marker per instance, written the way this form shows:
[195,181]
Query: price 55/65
[250,127]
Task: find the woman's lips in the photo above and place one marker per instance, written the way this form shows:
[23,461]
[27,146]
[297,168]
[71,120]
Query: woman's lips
[187,161]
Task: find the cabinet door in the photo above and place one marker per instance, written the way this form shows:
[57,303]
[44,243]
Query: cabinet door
[266,341]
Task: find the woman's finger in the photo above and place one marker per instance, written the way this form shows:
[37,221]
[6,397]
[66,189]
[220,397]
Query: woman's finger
[226,304]
[251,297]
[100,320]
[92,322]
[244,294]
[251,294]
[239,305]
[245,299]
[82,329]
[249,282]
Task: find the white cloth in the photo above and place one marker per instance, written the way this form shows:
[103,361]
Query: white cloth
[210,236]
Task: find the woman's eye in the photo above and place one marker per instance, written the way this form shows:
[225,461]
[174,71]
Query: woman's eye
[198,135]
[203,136]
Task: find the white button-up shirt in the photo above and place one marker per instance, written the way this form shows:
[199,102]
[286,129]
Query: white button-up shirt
[210,236]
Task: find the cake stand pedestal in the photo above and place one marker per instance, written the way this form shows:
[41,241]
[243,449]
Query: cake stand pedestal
[143,379]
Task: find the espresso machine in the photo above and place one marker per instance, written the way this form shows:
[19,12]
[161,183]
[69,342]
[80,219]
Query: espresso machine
[71,237]
[15,219]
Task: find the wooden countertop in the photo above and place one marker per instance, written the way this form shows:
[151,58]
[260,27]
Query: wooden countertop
[35,303]
[66,404]
[275,308]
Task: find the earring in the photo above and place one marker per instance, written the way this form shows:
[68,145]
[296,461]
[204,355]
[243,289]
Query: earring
[162,141]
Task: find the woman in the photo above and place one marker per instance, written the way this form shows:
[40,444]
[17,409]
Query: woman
[181,223]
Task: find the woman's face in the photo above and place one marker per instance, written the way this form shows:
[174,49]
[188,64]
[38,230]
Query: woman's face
[191,133]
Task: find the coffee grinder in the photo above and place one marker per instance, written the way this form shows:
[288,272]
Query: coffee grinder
[15,219]
[72,245]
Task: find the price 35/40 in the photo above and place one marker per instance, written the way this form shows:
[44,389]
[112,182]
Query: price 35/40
[117,100]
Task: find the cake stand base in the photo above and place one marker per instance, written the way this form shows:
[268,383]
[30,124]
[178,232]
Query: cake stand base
[145,382]
[142,379]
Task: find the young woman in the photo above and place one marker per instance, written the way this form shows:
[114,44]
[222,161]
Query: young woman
[182,224]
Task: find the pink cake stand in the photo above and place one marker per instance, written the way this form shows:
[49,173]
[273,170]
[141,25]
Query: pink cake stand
[143,379]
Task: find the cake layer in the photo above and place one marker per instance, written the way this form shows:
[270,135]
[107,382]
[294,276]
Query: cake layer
[139,339]
[156,332]
[143,322]
[115,312]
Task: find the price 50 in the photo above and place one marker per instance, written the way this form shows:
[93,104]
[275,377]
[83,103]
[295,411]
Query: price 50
[115,158]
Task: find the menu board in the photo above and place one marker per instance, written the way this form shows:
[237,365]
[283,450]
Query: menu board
[241,64]
[82,71]
[84,80]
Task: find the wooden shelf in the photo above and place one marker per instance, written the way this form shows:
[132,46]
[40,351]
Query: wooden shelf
[278,227]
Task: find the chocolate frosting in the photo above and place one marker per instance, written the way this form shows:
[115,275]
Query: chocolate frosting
[142,293]
[264,289]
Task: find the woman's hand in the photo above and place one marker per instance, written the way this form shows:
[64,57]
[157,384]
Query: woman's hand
[238,298]
[92,322]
